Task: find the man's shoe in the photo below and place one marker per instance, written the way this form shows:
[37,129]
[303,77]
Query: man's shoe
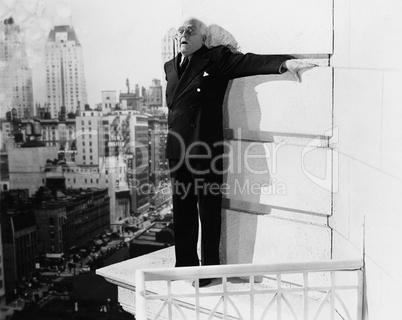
[203,282]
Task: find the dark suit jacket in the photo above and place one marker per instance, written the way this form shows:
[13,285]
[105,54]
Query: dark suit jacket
[195,100]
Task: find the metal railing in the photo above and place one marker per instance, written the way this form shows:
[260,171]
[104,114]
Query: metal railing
[263,302]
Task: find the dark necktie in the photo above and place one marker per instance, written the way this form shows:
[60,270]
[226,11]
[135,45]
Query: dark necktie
[183,66]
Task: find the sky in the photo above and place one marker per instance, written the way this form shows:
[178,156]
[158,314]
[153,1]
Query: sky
[120,39]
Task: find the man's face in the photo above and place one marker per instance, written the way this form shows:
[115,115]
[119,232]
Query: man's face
[189,37]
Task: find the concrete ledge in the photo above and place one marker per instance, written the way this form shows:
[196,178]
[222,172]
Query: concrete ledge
[123,275]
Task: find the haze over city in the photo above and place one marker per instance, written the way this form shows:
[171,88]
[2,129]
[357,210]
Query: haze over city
[120,39]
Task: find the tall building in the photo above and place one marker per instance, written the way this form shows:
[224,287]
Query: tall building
[88,124]
[130,100]
[169,48]
[2,284]
[123,136]
[155,97]
[70,218]
[158,164]
[15,74]
[19,238]
[139,168]
[60,134]
[4,172]
[64,71]
[109,101]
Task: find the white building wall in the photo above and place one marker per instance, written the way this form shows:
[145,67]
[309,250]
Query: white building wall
[273,207]
[367,111]
[360,165]
[87,137]
[109,100]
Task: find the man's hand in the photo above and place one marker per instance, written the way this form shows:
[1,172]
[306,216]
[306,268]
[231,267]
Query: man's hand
[297,67]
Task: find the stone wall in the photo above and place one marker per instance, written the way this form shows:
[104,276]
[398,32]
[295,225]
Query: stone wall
[333,142]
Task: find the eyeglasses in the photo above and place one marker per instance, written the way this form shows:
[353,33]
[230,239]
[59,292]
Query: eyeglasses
[185,30]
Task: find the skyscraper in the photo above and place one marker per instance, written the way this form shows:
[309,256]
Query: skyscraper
[15,75]
[155,97]
[169,51]
[169,46]
[64,71]
[2,287]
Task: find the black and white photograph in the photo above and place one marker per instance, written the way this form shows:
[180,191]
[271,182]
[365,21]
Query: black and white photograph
[200,159]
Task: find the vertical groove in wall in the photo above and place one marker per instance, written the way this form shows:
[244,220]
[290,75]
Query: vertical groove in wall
[382,115]
[332,123]
[333,26]
[332,206]
[348,196]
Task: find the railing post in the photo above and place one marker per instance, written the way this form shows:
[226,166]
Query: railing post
[360,296]
[332,296]
[225,297]
[305,295]
[279,297]
[252,278]
[170,300]
[140,300]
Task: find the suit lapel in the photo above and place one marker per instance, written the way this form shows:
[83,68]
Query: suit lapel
[195,66]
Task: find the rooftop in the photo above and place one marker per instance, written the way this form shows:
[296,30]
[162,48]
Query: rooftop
[70,31]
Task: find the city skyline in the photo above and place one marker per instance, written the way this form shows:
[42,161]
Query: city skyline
[115,46]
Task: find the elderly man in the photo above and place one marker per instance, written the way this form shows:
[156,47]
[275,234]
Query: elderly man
[197,79]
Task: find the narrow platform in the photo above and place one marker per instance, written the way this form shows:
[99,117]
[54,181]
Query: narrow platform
[123,275]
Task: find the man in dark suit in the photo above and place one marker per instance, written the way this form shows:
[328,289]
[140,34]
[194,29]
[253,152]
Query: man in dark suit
[197,79]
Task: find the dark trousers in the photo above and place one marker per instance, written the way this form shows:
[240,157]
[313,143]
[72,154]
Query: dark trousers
[196,193]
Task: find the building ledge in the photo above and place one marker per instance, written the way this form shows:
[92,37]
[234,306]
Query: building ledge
[123,274]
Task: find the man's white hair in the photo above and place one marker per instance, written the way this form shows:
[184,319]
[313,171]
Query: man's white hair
[214,35]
